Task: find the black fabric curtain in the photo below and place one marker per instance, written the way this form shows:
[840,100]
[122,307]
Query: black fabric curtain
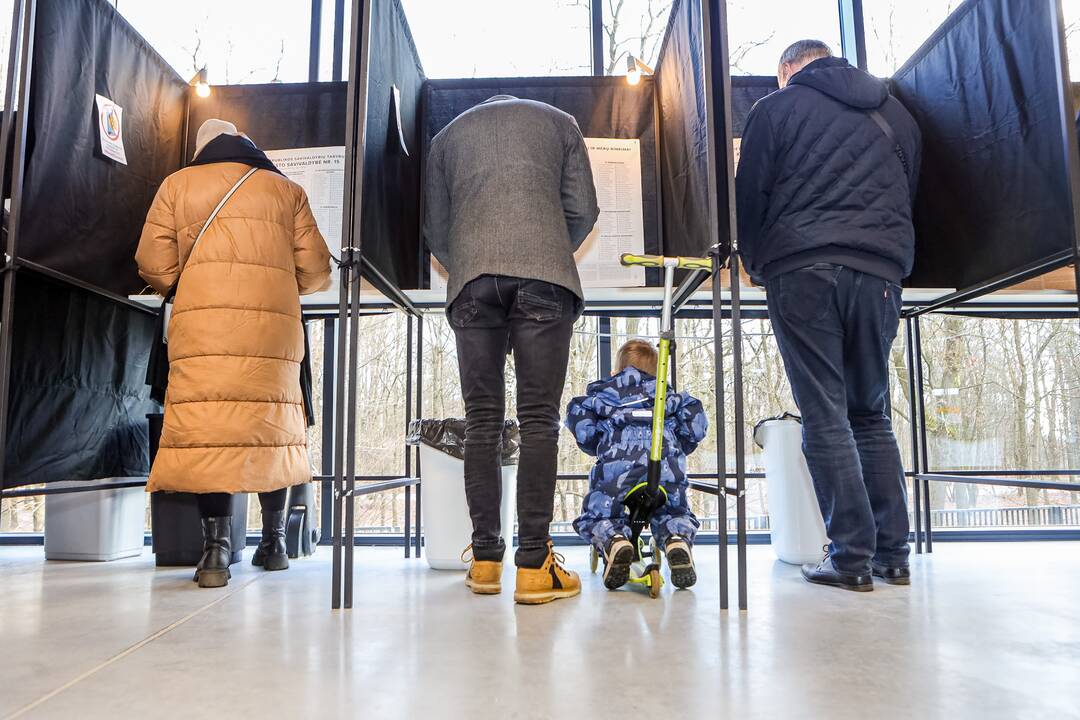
[78,398]
[81,212]
[994,192]
[390,195]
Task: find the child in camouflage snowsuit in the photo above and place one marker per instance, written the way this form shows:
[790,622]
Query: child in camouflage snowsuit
[613,421]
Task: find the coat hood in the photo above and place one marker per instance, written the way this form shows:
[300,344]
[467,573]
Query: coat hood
[838,79]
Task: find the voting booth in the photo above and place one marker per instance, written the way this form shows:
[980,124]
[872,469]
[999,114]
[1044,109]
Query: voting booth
[104,120]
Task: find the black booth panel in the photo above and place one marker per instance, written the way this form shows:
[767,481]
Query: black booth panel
[994,192]
[82,213]
[78,396]
[684,133]
[604,107]
[745,91]
[390,204]
[276,116]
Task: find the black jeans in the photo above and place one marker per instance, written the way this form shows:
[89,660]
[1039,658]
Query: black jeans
[493,316]
[835,327]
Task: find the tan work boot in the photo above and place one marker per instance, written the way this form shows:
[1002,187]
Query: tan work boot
[551,581]
[485,576]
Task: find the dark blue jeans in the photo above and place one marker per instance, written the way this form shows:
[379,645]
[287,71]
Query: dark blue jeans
[493,316]
[835,327]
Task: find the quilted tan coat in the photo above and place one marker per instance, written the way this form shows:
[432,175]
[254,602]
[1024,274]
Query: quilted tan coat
[234,416]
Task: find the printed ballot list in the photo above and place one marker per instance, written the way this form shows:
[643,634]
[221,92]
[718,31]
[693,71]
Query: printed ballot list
[321,172]
[616,167]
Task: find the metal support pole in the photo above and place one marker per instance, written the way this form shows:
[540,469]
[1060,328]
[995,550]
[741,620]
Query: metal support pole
[350,433]
[419,540]
[596,27]
[315,44]
[603,346]
[22,51]
[913,414]
[740,427]
[924,454]
[344,279]
[328,434]
[720,425]
[408,421]
[853,33]
[339,39]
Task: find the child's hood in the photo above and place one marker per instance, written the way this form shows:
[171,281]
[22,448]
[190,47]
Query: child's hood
[630,389]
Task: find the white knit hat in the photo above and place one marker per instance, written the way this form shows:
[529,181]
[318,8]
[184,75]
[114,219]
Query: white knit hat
[211,129]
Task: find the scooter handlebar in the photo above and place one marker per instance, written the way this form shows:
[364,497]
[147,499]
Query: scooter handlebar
[657,261]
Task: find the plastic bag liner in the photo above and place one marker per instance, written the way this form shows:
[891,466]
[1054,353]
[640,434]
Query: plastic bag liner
[785,416]
[448,436]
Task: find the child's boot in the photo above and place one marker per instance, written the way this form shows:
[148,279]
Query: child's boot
[550,581]
[485,576]
[618,556]
[681,562]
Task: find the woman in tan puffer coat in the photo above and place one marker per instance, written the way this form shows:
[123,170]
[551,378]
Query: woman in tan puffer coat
[234,415]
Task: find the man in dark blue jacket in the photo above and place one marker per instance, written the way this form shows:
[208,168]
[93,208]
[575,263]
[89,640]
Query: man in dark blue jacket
[826,180]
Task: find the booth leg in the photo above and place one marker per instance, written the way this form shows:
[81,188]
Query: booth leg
[916,421]
[720,425]
[740,428]
[924,452]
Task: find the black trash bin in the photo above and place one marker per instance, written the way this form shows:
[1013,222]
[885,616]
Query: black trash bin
[176,527]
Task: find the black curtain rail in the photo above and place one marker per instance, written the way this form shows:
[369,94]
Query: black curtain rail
[1001,282]
[34,492]
[64,279]
[1000,481]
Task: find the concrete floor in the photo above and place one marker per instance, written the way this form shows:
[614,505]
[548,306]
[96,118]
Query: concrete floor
[986,631]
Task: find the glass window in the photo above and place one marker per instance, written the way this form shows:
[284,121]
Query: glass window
[633,27]
[501,38]
[760,30]
[243,41]
[895,29]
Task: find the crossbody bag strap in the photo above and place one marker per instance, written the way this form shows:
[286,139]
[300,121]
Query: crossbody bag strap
[216,210]
[886,128]
[167,302]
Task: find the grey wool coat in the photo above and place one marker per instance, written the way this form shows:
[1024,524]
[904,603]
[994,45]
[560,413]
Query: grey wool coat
[509,191]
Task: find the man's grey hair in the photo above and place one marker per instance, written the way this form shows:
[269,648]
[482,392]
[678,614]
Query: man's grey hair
[804,51]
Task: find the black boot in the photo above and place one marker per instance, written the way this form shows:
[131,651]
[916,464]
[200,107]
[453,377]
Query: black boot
[213,569]
[271,553]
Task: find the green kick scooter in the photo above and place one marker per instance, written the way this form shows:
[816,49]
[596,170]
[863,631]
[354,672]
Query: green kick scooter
[646,496]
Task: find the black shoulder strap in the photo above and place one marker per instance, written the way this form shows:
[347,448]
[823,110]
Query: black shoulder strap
[886,128]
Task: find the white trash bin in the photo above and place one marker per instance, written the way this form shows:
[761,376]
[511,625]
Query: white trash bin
[447,525]
[99,525]
[795,524]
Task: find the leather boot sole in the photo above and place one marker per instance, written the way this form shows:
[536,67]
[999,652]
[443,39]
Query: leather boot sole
[275,562]
[683,574]
[213,578]
[894,580]
[839,584]
[544,596]
[480,588]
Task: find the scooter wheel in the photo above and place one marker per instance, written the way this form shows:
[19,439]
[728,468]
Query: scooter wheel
[656,581]
[594,560]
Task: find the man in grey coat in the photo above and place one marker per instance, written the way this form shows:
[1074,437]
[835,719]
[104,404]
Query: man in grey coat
[509,198]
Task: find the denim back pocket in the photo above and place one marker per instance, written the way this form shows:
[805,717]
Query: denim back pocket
[462,310]
[807,295]
[540,303]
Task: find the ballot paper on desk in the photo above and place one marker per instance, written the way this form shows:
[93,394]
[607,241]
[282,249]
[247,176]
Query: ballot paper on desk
[616,166]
